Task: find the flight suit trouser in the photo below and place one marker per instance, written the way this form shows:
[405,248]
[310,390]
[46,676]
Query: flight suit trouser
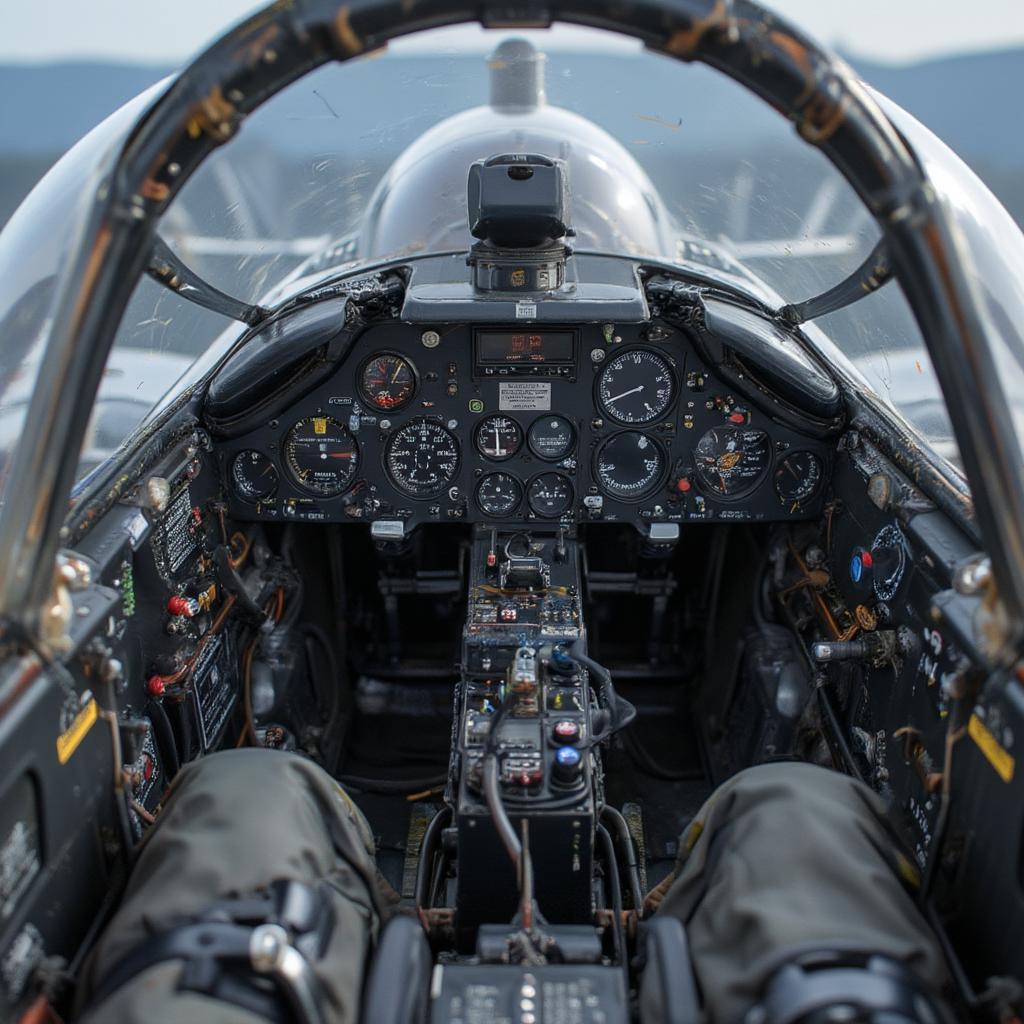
[789,859]
[234,823]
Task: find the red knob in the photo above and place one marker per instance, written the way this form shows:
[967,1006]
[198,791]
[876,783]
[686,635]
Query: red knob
[683,485]
[178,605]
[155,686]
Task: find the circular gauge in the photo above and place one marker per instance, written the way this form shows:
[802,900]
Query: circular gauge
[254,476]
[498,437]
[636,386]
[321,455]
[629,465]
[422,458]
[499,494]
[387,381]
[551,438]
[732,461]
[888,562]
[550,495]
[798,477]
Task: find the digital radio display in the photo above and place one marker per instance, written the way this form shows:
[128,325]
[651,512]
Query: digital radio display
[523,348]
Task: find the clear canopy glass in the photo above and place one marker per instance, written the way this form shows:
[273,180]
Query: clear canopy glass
[368,160]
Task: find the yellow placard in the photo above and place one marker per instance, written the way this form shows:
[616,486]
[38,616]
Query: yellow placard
[998,756]
[67,742]
[319,424]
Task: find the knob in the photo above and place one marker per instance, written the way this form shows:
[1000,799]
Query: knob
[568,763]
[566,731]
[861,565]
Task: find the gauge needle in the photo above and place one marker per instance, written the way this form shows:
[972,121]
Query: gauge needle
[398,370]
[497,441]
[341,455]
[625,394]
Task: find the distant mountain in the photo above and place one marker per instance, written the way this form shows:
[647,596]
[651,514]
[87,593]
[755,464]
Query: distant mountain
[972,101]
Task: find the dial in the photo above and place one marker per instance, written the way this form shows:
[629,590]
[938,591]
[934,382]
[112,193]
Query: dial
[499,494]
[550,495]
[798,477]
[629,465]
[636,386]
[254,476]
[888,562]
[387,381]
[732,461]
[422,458]
[321,455]
[551,438]
[498,437]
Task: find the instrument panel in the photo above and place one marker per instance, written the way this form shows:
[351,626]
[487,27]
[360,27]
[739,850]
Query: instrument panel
[599,422]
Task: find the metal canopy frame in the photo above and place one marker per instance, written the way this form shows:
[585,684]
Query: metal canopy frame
[205,106]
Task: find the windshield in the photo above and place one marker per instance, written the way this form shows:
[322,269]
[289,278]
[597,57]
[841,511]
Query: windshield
[368,160]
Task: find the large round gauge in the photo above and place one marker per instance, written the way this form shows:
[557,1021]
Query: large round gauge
[798,477]
[387,382]
[636,386]
[629,465]
[498,437]
[888,562]
[732,461]
[498,494]
[551,438]
[550,495]
[422,458]
[254,476]
[321,455]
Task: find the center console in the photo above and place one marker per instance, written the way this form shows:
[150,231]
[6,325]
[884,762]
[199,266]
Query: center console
[525,700]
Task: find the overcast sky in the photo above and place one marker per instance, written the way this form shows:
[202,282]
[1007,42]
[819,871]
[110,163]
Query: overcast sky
[145,31]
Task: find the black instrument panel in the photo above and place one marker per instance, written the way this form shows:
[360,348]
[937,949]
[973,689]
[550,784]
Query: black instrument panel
[600,422]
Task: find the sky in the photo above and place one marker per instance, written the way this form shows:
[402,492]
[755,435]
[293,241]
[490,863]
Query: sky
[144,31]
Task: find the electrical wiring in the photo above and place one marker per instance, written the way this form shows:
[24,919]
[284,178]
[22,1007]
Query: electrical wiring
[275,608]
[182,673]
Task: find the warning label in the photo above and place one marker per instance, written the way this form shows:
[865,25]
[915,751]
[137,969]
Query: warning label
[524,396]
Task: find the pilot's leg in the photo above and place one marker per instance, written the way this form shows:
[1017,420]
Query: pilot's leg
[237,828]
[790,863]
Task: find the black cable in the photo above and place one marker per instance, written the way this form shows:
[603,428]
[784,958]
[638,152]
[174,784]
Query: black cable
[165,741]
[428,844]
[825,703]
[492,796]
[312,631]
[621,710]
[626,844]
[612,870]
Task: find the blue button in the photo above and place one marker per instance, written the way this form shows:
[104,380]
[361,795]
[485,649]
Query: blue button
[856,568]
[568,757]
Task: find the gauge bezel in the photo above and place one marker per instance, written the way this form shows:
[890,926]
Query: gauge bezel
[514,509]
[658,483]
[235,490]
[624,350]
[573,442]
[290,472]
[364,396]
[547,515]
[716,495]
[781,460]
[498,458]
[892,585]
[386,448]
